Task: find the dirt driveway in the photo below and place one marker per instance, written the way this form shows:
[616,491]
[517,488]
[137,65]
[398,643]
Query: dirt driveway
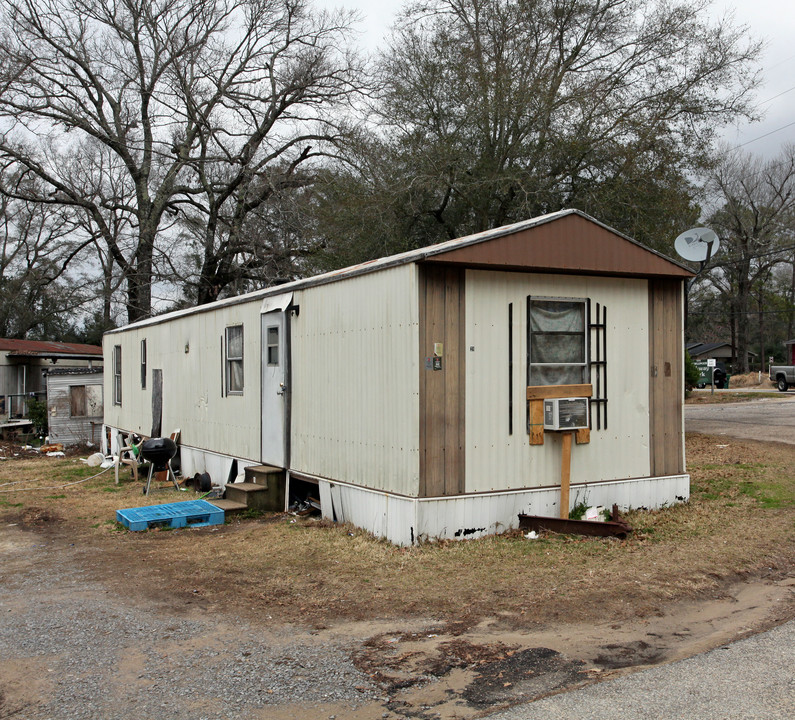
[78,642]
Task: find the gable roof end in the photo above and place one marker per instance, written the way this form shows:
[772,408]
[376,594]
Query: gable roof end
[573,243]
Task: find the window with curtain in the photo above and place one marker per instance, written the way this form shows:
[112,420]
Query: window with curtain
[556,341]
[117,374]
[234,360]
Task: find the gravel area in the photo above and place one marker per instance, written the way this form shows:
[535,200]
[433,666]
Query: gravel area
[92,654]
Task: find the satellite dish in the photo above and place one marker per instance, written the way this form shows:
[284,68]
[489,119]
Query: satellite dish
[697,244]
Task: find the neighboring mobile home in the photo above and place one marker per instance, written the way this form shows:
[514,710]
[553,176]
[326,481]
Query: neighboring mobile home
[399,387]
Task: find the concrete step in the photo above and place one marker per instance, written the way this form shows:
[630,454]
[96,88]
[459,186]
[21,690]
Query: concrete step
[269,478]
[230,507]
[261,474]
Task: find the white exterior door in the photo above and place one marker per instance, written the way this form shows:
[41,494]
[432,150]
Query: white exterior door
[275,393]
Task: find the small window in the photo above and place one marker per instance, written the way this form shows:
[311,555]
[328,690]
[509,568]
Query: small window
[117,374]
[77,400]
[273,346]
[143,364]
[556,341]
[234,360]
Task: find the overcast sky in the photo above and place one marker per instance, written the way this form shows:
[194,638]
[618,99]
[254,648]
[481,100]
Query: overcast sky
[771,20]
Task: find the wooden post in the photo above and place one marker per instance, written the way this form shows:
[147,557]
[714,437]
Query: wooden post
[565,475]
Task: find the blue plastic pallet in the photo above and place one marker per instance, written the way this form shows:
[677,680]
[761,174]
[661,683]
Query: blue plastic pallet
[191,513]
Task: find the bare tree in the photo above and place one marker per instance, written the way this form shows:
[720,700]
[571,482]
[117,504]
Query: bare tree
[755,220]
[194,100]
[39,291]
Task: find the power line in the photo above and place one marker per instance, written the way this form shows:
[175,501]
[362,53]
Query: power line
[772,132]
[783,92]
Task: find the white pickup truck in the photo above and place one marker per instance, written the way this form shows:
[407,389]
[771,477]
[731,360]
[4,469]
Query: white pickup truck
[783,376]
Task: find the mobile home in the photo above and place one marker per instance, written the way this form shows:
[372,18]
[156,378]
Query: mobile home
[406,390]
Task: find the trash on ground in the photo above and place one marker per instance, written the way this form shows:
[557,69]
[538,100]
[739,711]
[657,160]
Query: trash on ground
[95,460]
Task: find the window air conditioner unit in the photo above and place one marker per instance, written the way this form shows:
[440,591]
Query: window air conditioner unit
[566,413]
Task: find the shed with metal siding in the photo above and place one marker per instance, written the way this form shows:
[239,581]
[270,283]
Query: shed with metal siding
[398,386]
[75,405]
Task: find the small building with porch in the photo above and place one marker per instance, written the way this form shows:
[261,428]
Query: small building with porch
[24,365]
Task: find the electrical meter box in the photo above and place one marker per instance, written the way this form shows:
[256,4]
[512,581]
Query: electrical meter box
[566,413]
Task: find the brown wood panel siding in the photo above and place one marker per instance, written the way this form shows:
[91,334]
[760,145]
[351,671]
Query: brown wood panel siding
[571,244]
[77,401]
[666,383]
[442,392]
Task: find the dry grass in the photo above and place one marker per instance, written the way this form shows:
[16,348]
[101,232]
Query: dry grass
[740,520]
[751,379]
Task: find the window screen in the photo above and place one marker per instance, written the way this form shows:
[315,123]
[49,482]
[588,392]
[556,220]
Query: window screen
[557,352]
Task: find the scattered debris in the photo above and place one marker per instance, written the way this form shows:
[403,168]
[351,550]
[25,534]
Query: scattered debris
[611,528]
[95,460]
[307,506]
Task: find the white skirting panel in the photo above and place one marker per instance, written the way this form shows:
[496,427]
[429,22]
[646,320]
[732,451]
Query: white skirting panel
[215,465]
[405,521]
[388,516]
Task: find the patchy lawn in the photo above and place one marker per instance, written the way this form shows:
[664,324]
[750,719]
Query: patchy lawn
[740,520]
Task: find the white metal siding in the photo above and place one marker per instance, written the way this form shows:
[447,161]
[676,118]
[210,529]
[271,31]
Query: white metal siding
[496,460]
[355,381]
[193,398]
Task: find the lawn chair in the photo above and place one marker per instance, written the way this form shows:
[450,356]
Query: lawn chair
[128,455]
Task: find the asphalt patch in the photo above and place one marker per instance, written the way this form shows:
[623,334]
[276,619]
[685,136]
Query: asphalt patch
[628,655]
[524,674]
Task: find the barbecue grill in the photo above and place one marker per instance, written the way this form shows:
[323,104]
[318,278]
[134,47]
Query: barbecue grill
[158,452]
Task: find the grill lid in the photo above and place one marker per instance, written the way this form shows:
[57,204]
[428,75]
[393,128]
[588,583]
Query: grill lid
[158,451]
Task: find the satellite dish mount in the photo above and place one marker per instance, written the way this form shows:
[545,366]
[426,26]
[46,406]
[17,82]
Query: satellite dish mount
[697,245]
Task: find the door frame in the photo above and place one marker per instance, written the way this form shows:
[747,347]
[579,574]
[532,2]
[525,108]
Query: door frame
[277,306]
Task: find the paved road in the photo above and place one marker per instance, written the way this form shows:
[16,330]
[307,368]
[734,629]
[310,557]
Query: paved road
[767,419]
[750,679]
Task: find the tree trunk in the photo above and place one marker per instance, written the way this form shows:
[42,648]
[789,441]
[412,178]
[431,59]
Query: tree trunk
[139,281]
[791,314]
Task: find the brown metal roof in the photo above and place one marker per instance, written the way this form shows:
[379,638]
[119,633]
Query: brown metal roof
[573,244]
[47,348]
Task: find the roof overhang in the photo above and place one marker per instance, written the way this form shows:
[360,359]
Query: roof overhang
[16,355]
